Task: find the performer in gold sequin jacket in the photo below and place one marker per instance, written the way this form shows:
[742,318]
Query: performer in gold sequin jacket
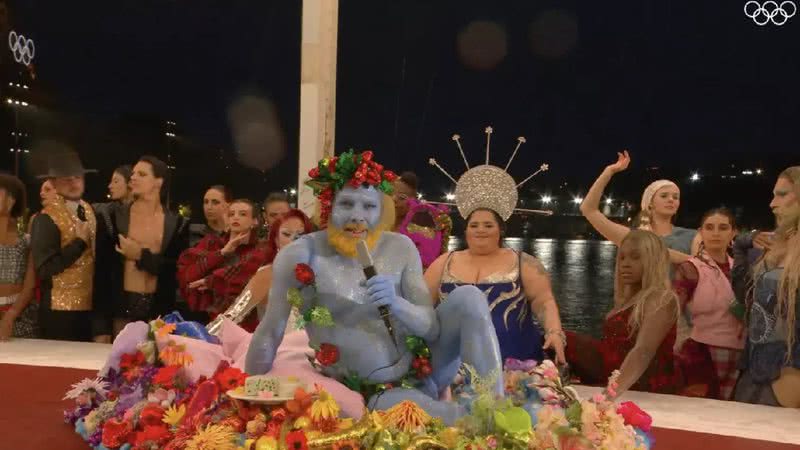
[62,245]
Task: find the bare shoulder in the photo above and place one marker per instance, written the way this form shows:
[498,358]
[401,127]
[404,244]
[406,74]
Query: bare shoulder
[531,262]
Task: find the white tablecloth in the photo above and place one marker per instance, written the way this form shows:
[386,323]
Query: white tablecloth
[668,411]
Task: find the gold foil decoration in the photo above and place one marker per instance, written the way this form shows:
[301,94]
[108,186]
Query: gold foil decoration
[72,288]
[358,431]
[426,443]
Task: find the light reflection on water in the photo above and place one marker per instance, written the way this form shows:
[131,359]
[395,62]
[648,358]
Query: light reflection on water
[582,274]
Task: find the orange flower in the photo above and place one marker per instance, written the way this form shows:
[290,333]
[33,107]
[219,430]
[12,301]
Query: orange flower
[166,329]
[175,355]
[300,403]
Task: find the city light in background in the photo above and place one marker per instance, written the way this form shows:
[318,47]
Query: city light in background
[450,196]
[695,177]
[547,199]
[577,200]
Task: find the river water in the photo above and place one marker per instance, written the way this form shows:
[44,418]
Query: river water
[582,274]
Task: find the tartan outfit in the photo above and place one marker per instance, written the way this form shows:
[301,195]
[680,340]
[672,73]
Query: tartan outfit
[710,371]
[226,276]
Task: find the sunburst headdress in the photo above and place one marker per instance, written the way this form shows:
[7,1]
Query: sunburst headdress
[487,186]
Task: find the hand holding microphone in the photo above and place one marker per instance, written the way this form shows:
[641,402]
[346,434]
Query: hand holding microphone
[380,288]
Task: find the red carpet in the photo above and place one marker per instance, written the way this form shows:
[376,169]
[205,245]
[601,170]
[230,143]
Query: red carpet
[31,415]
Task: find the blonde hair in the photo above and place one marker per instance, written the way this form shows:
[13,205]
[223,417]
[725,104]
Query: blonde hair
[645,218]
[656,286]
[785,251]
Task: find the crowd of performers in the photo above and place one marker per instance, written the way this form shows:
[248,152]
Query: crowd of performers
[708,311]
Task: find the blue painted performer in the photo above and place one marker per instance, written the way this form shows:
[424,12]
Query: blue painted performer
[319,275]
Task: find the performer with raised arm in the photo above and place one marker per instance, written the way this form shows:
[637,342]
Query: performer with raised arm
[320,276]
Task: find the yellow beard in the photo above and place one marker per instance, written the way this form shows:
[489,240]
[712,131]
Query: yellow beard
[345,245]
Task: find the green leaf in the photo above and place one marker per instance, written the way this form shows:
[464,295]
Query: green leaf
[321,316]
[294,298]
[573,414]
[513,420]
[386,187]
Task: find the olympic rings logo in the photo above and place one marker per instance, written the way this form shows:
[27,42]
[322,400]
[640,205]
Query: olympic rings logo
[770,11]
[22,48]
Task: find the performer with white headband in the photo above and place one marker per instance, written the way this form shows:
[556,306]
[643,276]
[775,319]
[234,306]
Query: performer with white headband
[660,202]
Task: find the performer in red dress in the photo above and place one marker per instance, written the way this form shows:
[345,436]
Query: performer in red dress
[639,333]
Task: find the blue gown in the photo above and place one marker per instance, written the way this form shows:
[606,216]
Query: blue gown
[518,331]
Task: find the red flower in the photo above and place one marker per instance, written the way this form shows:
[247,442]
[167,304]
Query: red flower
[634,416]
[332,165]
[153,434]
[151,415]
[230,378]
[131,360]
[389,175]
[367,155]
[304,273]
[314,173]
[327,354]
[296,440]
[115,432]
[278,415]
[165,377]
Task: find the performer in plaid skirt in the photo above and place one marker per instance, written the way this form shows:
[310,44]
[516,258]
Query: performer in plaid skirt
[709,356]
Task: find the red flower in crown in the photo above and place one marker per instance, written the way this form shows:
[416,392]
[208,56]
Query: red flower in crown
[366,155]
[328,354]
[314,173]
[304,273]
[389,175]
[332,164]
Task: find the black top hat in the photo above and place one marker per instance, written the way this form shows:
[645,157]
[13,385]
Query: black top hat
[65,164]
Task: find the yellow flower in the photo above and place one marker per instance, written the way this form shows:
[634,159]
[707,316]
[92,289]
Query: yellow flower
[266,443]
[165,330]
[175,355]
[324,407]
[173,415]
[213,437]
[302,422]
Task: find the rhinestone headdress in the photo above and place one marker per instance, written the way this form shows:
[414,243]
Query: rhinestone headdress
[488,186]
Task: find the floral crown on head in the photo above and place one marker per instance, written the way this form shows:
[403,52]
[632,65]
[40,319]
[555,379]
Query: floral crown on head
[348,169]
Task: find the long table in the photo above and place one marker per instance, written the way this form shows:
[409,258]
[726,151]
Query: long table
[35,374]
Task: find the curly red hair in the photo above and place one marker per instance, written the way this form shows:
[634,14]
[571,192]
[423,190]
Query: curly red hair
[272,248]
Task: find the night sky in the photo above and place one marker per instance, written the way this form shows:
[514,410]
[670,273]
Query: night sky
[683,84]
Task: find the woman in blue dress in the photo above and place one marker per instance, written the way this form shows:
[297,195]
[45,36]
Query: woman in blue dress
[516,285]
[770,364]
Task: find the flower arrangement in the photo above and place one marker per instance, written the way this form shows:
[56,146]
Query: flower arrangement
[348,169]
[149,402]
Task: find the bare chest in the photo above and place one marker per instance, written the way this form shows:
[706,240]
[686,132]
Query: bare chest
[147,230]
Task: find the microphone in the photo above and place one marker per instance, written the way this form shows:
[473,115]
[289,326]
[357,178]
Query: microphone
[81,213]
[365,259]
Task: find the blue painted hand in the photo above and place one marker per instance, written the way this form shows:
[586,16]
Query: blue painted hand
[381,290]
